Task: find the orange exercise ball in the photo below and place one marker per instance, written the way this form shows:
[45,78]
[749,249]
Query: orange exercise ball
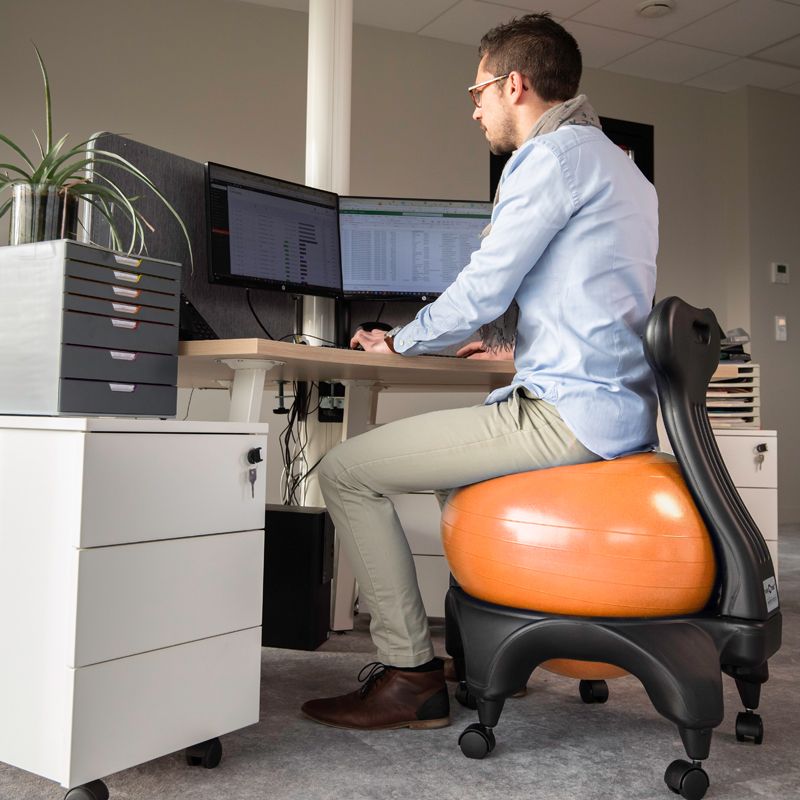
[619,538]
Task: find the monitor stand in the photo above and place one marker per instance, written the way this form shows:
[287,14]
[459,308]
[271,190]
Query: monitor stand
[318,322]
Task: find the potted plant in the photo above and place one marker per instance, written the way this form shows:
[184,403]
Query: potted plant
[44,196]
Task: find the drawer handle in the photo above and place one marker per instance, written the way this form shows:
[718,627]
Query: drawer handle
[125,308]
[122,387]
[127,276]
[122,355]
[130,324]
[123,291]
[127,261]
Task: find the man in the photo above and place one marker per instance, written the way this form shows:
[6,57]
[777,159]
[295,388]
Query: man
[573,241]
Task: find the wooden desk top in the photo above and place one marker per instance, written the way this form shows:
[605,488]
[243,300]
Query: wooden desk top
[199,365]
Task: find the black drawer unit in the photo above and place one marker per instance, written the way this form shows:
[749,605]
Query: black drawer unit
[99,363]
[87,331]
[120,293]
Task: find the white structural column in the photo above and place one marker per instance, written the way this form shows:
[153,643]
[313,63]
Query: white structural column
[330,57]
[330,52]
[330,46]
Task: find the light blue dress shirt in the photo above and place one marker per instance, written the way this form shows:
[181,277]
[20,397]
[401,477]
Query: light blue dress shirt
[574,239]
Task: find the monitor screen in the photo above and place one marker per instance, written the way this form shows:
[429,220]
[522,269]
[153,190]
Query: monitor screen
[406,249]
[271,234]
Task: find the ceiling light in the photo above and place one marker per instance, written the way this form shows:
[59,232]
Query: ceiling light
[651,9]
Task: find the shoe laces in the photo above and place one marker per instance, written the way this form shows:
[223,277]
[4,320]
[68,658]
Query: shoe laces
[375,671]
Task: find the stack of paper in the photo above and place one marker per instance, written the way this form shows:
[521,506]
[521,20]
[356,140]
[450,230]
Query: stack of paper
[733,396]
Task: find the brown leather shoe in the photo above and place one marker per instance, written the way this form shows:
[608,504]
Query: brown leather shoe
[389,698]
[451,676]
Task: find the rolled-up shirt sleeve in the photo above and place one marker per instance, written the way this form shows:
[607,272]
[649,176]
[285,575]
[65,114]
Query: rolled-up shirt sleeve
[537,199]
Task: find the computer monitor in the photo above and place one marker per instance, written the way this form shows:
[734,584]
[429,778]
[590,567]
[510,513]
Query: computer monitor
[268,233]
[404,249]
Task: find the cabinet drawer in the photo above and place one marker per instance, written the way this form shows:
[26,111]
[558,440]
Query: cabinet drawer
[124,309]
[119,332]
[135,709]
[99,363]
[763,507]
[117,399]
[121,276]
[120,294]
[200,486]
[739,454]
[94,255]
[433,577]
[421,519]
[138,597]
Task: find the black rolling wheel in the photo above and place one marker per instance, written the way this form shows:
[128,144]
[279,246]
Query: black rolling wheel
[749,727]
[593,691]
[476,741]
[96,790]
[465,696]
[686,779]
[206,754]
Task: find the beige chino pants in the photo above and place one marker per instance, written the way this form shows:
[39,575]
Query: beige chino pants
[440,450]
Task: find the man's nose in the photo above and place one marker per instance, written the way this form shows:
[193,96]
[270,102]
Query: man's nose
[476,114]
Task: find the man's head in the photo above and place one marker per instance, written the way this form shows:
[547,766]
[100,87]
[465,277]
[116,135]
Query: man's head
[541,63]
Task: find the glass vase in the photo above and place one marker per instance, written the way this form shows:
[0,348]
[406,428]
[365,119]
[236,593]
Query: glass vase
[40,213]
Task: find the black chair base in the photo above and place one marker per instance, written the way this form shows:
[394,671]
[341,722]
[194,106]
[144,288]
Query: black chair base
[679,660]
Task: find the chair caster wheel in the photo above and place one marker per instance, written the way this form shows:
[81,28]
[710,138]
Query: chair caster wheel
[686,779]
[593,691]
[95,790]
[749,726]
[476,741]
[206,754]
[465,696]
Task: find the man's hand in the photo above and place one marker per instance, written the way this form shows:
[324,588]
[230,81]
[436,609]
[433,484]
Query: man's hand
[477,350]
[372,341]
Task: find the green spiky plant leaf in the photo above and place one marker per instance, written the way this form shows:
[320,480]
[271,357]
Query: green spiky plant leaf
[79,172]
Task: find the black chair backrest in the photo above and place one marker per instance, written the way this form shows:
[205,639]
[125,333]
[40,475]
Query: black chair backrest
[682,347]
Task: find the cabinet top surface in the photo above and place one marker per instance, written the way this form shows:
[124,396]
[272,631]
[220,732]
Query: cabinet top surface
[128,425]
[757,432]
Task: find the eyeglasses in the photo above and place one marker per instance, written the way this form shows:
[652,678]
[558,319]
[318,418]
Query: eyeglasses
[477,90]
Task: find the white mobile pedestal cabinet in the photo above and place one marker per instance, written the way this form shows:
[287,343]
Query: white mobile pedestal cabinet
[131,561]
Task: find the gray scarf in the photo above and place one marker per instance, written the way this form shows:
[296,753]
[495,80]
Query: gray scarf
[501,333]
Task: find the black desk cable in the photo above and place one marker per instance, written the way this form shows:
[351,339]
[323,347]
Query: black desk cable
[260,324]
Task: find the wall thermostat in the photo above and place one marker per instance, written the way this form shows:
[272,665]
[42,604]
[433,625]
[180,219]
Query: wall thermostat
[780,272]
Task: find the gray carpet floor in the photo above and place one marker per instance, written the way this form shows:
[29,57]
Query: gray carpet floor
[550,746]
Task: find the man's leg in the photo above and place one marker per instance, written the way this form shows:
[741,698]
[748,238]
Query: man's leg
[441,449]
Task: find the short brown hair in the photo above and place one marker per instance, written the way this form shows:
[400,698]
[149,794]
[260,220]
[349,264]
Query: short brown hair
[538,47]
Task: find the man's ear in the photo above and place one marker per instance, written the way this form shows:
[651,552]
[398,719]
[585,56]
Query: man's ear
[518,86]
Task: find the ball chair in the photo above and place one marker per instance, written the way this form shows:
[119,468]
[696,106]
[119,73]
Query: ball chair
[647,564]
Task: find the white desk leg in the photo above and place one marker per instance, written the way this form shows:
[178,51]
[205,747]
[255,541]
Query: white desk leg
[247,392]
[359,414]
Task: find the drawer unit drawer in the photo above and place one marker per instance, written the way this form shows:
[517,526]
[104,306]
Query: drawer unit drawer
[763,507]
[125,334]
[200,487]
[124,309]
[117,398]
[120,276]
[421,519]
[98,363]
[131,710]
[120,294]
[740,456]
[139,597]
[108,258]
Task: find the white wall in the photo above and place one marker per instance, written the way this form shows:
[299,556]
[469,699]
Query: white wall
[774,178]
[226,81]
